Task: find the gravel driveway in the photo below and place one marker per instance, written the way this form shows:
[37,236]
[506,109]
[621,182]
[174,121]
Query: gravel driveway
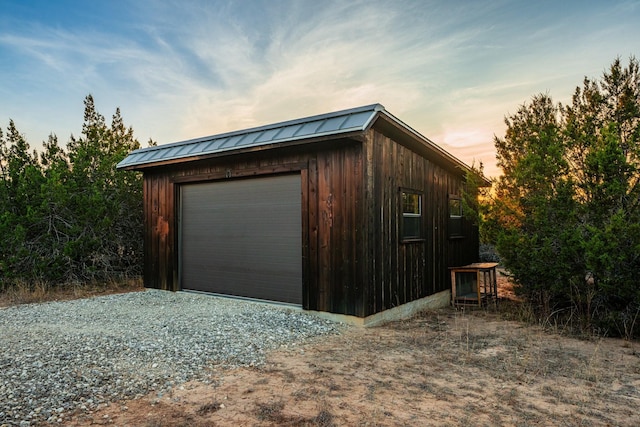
[56,358]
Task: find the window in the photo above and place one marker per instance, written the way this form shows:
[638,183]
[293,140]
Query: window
[455,216]
[411,215]
[455,207]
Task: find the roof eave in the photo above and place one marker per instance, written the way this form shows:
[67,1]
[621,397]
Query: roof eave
[353,135]
[424,142]
[146,157]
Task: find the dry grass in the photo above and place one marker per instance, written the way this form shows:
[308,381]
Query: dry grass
[272,413]
[208,408]
[442,367]
[23,292]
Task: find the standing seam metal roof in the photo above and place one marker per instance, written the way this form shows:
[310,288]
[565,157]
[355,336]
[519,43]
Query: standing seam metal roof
[339,122]
[331,124]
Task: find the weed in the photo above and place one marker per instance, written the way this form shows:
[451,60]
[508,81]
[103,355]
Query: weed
[309,393]
[323,419]
[425,387]
[271,411]
[547,390]
[333,386]
[24,292]
[183,421]
[511,397]
[208,408]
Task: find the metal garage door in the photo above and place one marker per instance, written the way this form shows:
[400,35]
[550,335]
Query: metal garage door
[243,238]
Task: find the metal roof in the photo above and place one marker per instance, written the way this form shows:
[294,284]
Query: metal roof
[354,120]
[339,122]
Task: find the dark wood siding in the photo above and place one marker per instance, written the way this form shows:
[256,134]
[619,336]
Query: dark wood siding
[160,264]
[399,272]
[353,259]
[336,219]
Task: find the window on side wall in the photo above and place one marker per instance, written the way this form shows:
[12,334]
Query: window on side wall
[411,215]
[455,216]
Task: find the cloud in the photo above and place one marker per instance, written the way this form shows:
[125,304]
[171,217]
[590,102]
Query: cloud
[449,70]
[213,72]
[339,58]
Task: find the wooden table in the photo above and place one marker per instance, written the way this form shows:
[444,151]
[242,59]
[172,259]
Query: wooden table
[482,291]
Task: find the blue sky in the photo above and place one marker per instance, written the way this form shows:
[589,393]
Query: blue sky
[183,69]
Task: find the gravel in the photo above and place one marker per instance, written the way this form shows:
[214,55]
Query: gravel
[63,357]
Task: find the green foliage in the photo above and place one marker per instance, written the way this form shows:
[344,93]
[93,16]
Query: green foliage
[566,212]
[68,215]
[474,188]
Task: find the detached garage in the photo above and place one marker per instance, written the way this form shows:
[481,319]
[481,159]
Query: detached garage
[351,212]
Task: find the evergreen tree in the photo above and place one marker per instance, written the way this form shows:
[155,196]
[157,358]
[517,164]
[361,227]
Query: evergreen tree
[106,203]
[21,220]
[57,216]
[603,133]
[566,218]
[534,201]
[5,208]
[68,215]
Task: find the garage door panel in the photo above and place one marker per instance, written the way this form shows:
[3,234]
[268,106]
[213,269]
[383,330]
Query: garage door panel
[243,238]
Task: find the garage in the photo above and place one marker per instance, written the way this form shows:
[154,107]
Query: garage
[344,212]
[243,237]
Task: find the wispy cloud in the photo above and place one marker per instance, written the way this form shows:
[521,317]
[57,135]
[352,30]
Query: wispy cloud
[181,70]
[342,57]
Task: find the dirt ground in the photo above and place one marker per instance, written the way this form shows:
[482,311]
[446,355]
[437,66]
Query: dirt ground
[445,367]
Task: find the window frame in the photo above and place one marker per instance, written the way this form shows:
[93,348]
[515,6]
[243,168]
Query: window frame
[407,215]
[455,217]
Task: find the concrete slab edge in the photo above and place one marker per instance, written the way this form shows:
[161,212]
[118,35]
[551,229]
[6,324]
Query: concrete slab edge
[404,311]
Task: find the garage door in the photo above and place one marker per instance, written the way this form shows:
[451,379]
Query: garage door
[243,238]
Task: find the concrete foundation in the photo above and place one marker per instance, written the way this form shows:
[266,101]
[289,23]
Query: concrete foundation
[404,311]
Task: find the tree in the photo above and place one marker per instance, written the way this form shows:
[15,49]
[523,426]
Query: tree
[20,219]
[567,209]
[534,201]
[56,215]
[107,204]
[67,215]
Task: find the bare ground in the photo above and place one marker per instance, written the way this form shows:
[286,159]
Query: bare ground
[445,367]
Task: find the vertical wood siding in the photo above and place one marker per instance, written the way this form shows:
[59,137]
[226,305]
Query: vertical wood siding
[336,226]
[400,272]
[160,265]
[331,181]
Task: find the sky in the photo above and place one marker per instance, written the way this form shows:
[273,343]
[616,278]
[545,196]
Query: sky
[451,69]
